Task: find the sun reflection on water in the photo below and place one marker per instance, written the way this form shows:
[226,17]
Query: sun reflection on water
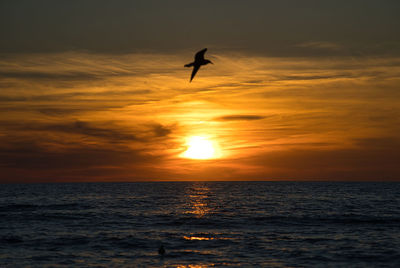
[193,266]
[198,238]
[198,198]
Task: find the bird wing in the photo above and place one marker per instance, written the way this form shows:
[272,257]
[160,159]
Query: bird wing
[195,69]
[200,55]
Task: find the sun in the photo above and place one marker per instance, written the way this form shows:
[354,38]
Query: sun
[200,148]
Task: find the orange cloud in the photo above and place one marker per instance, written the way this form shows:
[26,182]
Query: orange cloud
[75,116]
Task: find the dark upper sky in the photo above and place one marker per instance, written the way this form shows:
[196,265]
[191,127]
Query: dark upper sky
[273,28]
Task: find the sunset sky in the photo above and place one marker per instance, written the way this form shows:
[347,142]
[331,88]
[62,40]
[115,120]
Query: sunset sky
[299,90]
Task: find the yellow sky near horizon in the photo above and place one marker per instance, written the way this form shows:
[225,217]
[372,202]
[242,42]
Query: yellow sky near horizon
[98,117]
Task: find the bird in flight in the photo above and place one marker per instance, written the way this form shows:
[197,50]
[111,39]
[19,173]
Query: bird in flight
[198,61]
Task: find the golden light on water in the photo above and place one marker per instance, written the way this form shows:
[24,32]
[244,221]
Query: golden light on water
[198,200]
[201,148]
[193,266]
[198,238]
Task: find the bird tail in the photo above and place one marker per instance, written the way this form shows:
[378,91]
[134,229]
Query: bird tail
[189,65]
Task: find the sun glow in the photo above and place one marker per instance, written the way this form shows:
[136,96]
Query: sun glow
[200,148]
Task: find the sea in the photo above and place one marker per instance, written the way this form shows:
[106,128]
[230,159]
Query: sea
[200,224]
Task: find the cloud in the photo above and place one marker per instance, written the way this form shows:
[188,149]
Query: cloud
[312,77]
[320,45]
[378,143]
[108,131]
[74,95]
[29,160]
[161,131]
[376,160]
[85,128]
[51,111]
[7,98]
[239,117]
[278,117]
[81,150]
[36,75]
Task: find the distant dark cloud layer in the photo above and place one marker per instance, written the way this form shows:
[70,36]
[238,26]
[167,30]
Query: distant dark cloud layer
[279,28]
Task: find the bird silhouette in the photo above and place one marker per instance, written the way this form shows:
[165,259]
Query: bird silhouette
[198,61]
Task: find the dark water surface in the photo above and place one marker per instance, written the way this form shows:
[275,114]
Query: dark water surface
[201,224]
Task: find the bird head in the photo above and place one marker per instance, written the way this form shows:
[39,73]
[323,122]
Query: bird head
[208,61]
